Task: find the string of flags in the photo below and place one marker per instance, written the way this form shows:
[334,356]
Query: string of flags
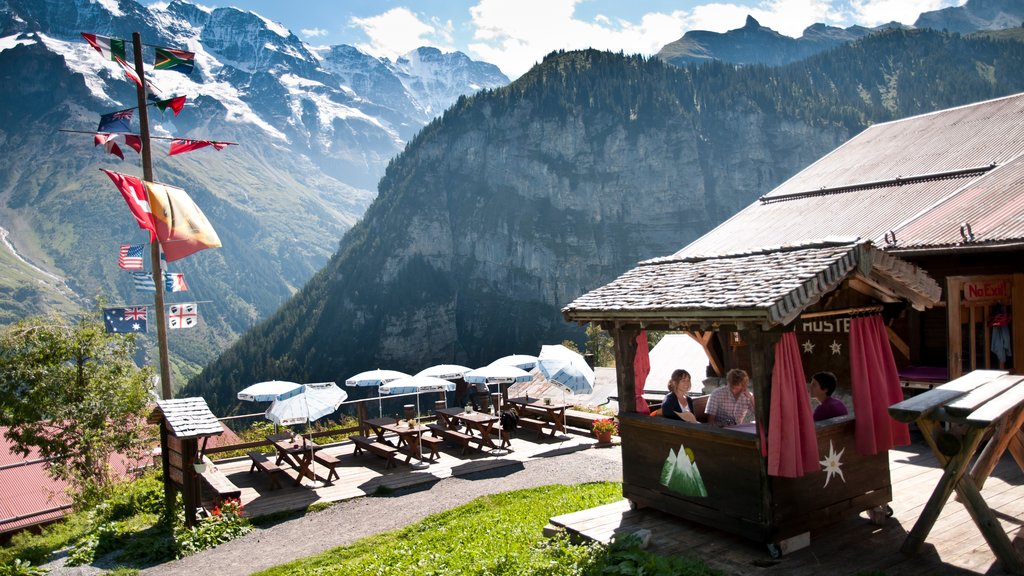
[167,212]
[135,319]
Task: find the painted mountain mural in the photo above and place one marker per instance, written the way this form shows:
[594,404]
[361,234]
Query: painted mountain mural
[680,474]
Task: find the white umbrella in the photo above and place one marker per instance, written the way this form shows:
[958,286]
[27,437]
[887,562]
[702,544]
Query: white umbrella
[498,374]
[314,402]
[521,361]
[562,366]
[375,378]
[417,384]
[269,391]
[446,371]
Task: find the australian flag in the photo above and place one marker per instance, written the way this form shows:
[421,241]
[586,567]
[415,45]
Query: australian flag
[120,121]
[124,320]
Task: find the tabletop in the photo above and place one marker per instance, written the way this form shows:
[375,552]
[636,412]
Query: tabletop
[979,402]
[537,403]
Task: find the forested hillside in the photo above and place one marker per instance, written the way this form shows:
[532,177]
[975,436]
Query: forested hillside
[521,198]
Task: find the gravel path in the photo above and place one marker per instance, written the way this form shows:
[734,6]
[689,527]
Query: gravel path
[350,520]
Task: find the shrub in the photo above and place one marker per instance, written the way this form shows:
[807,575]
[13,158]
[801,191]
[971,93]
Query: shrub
[225,523]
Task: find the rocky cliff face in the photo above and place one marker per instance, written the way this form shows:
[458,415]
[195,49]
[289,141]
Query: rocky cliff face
[975,15]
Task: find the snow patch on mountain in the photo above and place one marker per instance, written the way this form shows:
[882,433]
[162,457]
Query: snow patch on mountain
[83,59]
[110,6]
[9,42]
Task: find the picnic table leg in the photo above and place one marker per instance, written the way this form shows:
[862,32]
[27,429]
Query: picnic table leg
[954,468]
[993,451]
[989,525]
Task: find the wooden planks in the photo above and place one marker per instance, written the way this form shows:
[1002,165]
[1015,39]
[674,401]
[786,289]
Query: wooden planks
[855,546]
[920,405]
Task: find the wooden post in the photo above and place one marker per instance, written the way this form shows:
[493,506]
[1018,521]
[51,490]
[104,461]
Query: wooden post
[165,463]
[147,174]
[361,415]
[1017,328]
[625,352]
[761,347]
[953,326]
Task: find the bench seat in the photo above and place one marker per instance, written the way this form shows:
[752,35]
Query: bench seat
[539,426]
[330,462]
[460,438]
[380,449]
[216,486]
[271,469]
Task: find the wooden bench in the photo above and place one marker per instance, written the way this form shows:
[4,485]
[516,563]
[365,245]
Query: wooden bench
[269,468]
[540,426]
[460,438]
[330,462]
[431,443]
[217,486]
[380,449]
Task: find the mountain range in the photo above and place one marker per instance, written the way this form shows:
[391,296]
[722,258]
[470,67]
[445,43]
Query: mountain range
[520,198]
[316,129]
[488,219]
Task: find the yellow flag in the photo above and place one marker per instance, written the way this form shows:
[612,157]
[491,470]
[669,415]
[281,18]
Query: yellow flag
[181,226]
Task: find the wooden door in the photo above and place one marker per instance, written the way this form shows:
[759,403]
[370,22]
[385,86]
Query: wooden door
[978,336]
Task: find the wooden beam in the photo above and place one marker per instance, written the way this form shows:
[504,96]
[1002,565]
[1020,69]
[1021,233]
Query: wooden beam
[625,352]
[898,342]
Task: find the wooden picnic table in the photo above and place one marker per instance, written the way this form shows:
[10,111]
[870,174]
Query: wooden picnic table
[954,419]
[555,411]
[409,438]
[298,454]
[479,422]
[376,425]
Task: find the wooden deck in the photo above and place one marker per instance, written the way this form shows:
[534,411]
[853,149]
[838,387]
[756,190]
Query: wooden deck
[364,474]
[954,546]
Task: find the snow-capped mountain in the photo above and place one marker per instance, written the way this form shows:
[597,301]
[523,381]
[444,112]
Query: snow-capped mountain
[316,129]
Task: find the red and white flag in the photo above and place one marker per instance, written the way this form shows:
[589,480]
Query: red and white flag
[183,315]
[181,145]
[109,142]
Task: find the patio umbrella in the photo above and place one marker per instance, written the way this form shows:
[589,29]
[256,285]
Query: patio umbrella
[376,378]
[498,374]
[313,402]
[566,368]
[269,391]
[446,371]
[417,384]
[521,361]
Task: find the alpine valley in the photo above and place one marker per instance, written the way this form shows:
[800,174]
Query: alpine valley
[315,131]
[476,226]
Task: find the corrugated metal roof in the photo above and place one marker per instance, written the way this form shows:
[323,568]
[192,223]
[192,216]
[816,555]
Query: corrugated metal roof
[187,417]
[941,143]
[771,286]
[963,137]
[990,209]
[28,495]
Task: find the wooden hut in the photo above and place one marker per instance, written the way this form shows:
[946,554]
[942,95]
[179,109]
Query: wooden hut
[721,477]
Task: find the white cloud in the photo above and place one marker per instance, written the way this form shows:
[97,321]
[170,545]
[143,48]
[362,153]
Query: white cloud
[399,31]
[875,12]
[313,32]
[515,35]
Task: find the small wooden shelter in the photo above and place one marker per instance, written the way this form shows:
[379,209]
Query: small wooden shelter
[720,477]
[183,422]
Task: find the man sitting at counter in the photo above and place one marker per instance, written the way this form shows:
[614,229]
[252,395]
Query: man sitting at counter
[731,405]
[823,384]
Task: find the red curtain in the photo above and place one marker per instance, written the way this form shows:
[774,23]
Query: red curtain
[641,368]
[876,386]
[792,442]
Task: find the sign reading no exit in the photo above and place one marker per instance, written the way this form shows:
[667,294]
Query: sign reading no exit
[986,290]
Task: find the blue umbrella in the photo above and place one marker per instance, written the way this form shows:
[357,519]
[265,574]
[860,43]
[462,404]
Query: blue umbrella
[314,401]
[377,378]
[521,361]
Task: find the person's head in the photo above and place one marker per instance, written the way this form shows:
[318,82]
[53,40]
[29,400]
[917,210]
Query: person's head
[737,380]
[679,382]
[823,384]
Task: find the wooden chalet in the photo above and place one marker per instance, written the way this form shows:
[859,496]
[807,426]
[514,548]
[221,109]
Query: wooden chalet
[918,223]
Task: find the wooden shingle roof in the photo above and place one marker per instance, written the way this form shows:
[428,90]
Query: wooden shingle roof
[187,417]
[770,286]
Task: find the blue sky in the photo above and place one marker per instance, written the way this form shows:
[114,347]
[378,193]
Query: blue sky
[514,34]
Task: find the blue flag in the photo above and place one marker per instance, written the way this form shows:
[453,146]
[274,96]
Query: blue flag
[143,282]
[124,320]
[120,121]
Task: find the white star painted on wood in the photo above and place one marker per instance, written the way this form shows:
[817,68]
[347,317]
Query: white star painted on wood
[836,348]
[832,465]
[808,347]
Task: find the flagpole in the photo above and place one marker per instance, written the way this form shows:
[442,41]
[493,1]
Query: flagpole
[147,175]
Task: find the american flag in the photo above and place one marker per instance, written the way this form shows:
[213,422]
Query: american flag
[130,257]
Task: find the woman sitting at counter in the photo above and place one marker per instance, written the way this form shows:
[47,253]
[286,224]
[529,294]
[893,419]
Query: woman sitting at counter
[677,405]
